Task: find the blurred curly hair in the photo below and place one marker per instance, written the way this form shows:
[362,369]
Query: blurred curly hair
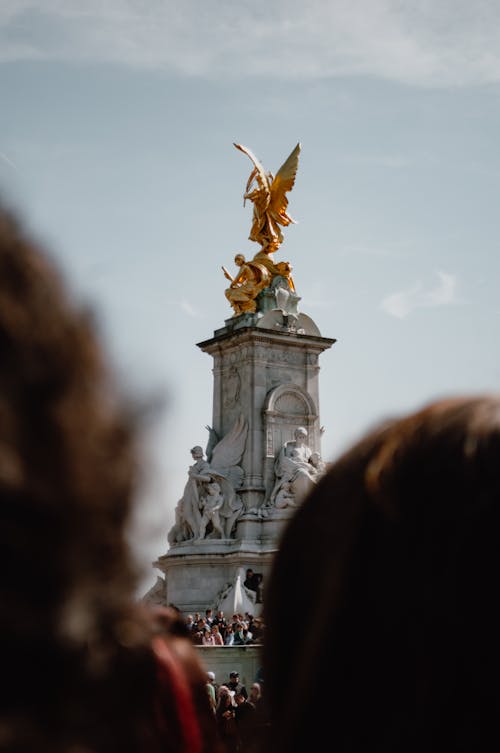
[78,671]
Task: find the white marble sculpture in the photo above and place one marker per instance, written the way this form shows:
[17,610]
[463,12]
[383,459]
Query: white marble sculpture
[297,469]
[236,598]
[188,512]
[210,507]
[224,455]
[285,496]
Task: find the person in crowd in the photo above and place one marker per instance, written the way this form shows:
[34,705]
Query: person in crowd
[249,621]
[239,635]
[225,715]
[221,622]
[197,637]
[84,667]
[234,621]
[229,637]
[247,635]
[257,629]
[234,684]
[396,560]
[216,636]
[212,680]
[208,638]
[259,677]
[199,631]
[255,696]
[246,722]
[211,690]
[253,581]
[249,581]
[261,723]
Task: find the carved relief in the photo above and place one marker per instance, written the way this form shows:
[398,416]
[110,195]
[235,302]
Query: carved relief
[269,443]
[290,357]
[276,378]
[292,405]
[232,387]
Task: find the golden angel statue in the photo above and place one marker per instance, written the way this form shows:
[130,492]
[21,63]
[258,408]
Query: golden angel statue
[269,200]
[269,215]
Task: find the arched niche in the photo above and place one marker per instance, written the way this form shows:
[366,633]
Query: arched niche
[286,407]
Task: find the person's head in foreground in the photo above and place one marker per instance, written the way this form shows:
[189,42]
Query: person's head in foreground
[83,668]
[396,561]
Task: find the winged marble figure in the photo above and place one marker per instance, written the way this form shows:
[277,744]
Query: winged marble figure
[269,199]
[224,455]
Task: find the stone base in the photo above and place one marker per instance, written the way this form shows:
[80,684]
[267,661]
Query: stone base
[265,374]
[196,580]
[249,528]
[274,525]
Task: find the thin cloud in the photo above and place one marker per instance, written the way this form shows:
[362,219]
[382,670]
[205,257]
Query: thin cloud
[188,308]
[445,43]
[185,306]
[7,161]
[404,302]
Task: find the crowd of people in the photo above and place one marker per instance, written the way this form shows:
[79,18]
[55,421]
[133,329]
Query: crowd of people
[240,715]
[394,555]
[216,630]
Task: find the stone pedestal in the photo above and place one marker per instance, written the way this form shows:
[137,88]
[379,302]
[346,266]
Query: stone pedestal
[198,578]
[266,369]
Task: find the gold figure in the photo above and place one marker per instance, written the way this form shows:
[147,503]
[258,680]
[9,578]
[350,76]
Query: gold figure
[250,279]
[269,200]
[282,268]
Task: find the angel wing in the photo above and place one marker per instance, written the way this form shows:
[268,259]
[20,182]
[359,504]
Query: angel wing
[229,450]
[257,173]
[282,183]
[213,439]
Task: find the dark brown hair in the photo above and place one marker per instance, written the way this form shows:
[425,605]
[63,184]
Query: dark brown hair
[393,565]
[78,671]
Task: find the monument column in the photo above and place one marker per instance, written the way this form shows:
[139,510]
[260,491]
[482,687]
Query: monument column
[267,372]
[263,455]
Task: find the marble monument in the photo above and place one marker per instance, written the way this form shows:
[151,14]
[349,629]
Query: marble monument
[263,453]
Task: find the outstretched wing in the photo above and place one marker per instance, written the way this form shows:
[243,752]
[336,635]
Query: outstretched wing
[229,450]
[258,171]
[213,438]
[283,182]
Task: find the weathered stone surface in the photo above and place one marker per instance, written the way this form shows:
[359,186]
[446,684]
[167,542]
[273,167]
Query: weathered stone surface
[222,660]
[265,369]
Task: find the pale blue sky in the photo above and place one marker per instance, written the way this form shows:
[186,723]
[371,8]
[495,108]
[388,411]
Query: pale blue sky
[116,131]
